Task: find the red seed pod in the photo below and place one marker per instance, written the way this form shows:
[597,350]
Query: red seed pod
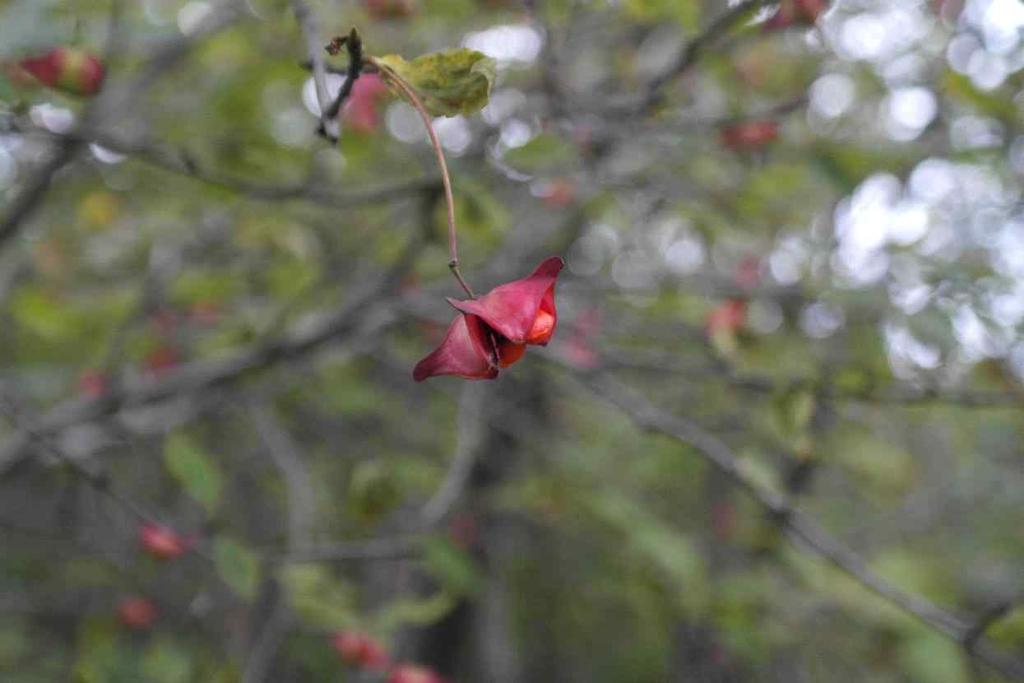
[494,329]
[729,316]
[70,70]
[559,193]
[796,13]
[92,384]
[361,650]
[161,360]
[390,9]
[136,613]
[162,542]
[747,135]
[411,673]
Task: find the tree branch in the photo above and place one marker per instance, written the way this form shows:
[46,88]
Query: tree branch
[799,526]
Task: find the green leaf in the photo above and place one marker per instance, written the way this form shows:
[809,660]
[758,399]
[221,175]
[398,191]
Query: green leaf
[194,469]
[238,566]
[450,83]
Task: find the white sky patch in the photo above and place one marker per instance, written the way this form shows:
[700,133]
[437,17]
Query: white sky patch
[787,260]
[832,95]
[454,133]
[909,110]
[502,104]
[507,43]
[54,119]
[975,341]
[309,99]
[820,320]
[104,155]
[192,15]
[589,253]
[906,349]
[686,254]
[404,123]
[515,133]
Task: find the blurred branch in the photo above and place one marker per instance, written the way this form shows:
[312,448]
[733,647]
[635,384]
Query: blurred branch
[181,162]
[315,47]
[696,49]
[895,394]
[286,457]
[799,526]
[272,624]
[469,435]
[373,549]
[206,374]
[987,619]
[110,99]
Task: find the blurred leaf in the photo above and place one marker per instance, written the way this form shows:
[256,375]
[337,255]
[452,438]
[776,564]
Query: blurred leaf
[194,470]
[319,597]
[544,152]
[449,83]
[931,657]
[686,12]
[238,566]
[166,662]
[960,87]
[793,408]
[373,490]
[651,539]
[453,568]
[413,612]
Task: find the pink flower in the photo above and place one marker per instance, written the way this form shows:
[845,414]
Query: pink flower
[494,330]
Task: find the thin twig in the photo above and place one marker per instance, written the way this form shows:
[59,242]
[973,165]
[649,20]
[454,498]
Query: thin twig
[314,46]
[286,457]
[354,45]
[414,99]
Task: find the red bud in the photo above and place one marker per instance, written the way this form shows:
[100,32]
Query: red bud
[162,542]
[136,613]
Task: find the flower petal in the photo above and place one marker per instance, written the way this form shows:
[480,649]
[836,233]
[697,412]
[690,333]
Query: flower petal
[465,352]
[512,309]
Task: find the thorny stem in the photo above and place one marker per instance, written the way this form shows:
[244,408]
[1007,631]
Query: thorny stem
[410,94]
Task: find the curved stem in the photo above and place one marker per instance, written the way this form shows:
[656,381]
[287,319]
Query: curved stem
[414,99]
